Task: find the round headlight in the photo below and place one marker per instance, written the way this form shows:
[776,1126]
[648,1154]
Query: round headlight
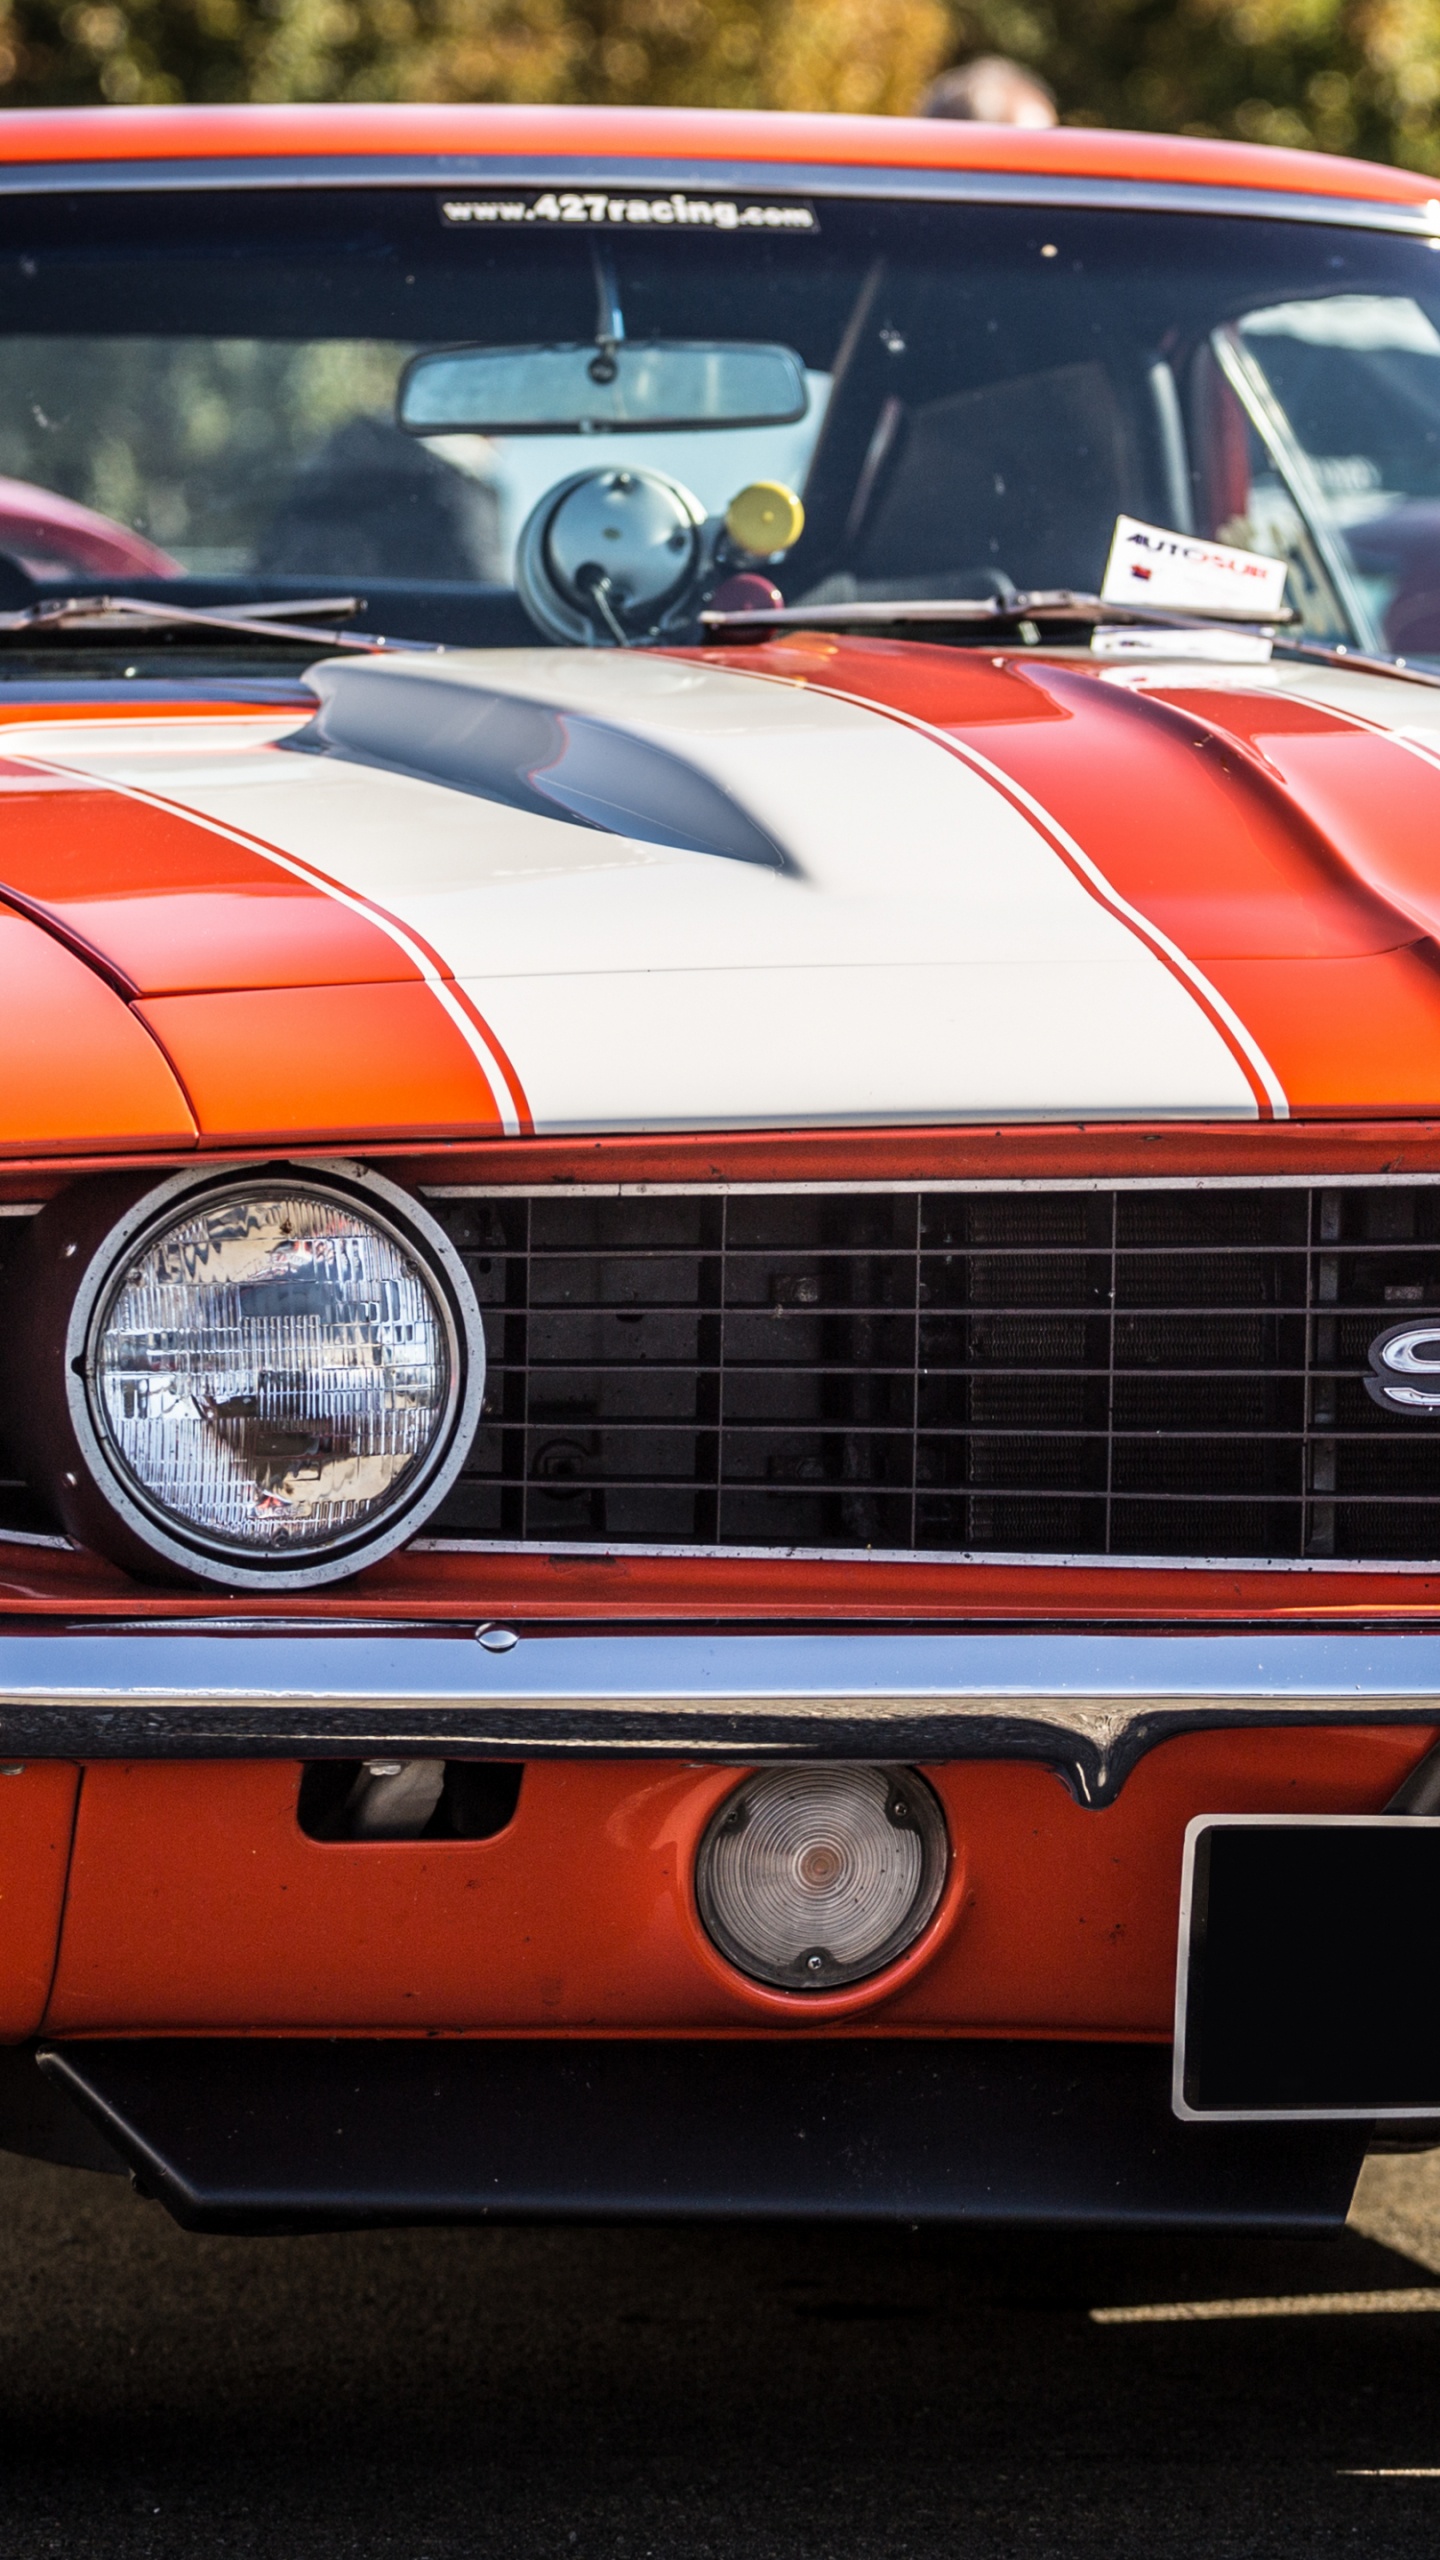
[277,1375]
[813,1877]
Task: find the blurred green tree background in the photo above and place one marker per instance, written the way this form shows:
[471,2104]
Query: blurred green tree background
[1341,75]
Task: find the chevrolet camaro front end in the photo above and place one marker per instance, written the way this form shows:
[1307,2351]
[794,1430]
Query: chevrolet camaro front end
[719,1166]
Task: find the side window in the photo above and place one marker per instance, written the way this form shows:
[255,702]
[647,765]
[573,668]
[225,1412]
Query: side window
[1317,440]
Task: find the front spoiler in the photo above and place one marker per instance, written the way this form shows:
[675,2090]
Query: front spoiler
[1088,1705]
[286,2134]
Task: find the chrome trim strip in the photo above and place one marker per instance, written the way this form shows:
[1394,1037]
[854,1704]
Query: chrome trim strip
[1087,1705]
[728,177]
[559,1189]
[1009,1557]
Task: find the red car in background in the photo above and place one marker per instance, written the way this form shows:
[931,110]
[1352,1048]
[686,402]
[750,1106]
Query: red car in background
[50,537]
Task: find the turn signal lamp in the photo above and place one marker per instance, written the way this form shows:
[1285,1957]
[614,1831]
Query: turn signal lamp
[811,1878]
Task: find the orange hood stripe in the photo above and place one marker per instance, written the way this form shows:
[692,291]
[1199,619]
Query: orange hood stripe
[77,1070]
[356,942]
[1281,854]
[1365,1035]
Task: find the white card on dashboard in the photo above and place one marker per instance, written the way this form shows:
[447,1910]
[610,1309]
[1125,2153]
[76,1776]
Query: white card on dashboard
[1148,565]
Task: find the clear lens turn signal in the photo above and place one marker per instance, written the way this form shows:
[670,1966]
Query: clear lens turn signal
[811,1878]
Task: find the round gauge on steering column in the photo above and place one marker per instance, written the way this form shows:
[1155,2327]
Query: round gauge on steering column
[609,553]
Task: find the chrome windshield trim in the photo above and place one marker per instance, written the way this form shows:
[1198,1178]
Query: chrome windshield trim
[729,177]
[1088,1705]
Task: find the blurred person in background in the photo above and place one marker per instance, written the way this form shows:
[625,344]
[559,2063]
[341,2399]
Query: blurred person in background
[990,90]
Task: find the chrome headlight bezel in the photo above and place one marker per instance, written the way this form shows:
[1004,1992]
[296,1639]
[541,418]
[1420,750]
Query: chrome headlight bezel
[143,1522]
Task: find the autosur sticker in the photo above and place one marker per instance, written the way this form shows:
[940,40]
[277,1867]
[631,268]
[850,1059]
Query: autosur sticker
[617,209]
[1148,565]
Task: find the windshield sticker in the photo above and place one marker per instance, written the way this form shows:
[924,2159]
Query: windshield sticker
[1225,648]
[1149,565]
[596,209]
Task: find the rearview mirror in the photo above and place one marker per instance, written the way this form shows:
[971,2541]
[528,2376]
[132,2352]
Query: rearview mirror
[536,391]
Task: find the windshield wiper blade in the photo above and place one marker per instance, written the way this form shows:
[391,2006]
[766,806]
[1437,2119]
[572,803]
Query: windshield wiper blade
[287,608]
[1063,606]
[1036,604]
[114,614]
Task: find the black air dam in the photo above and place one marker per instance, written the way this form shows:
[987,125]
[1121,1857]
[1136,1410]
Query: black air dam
[284,2134]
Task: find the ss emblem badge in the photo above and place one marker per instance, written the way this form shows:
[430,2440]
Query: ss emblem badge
[1405,1369]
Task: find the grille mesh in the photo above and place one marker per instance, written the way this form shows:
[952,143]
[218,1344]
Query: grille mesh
[1107,1373]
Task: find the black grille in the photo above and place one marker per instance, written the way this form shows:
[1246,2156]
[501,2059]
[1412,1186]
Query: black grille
[22,1509]
[1100,1372]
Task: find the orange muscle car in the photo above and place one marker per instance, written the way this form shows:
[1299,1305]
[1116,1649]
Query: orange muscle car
[719,1165]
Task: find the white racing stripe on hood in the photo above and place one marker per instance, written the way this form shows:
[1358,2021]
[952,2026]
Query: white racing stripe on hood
[930,957]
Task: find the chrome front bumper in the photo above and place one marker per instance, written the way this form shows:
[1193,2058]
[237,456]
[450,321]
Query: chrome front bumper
[1087,1705]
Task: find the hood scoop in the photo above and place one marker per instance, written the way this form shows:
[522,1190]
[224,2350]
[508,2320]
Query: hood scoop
[529,755]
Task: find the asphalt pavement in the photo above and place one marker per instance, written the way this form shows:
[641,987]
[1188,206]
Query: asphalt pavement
[713,2394]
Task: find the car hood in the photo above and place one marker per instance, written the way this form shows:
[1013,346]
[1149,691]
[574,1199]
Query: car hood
[820,882]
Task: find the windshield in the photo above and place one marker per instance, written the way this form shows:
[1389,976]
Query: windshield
[230,396]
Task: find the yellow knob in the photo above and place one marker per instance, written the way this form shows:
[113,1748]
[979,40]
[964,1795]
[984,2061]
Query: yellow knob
[765,518]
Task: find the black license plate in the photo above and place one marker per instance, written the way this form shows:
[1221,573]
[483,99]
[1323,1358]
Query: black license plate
[1309,1977]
